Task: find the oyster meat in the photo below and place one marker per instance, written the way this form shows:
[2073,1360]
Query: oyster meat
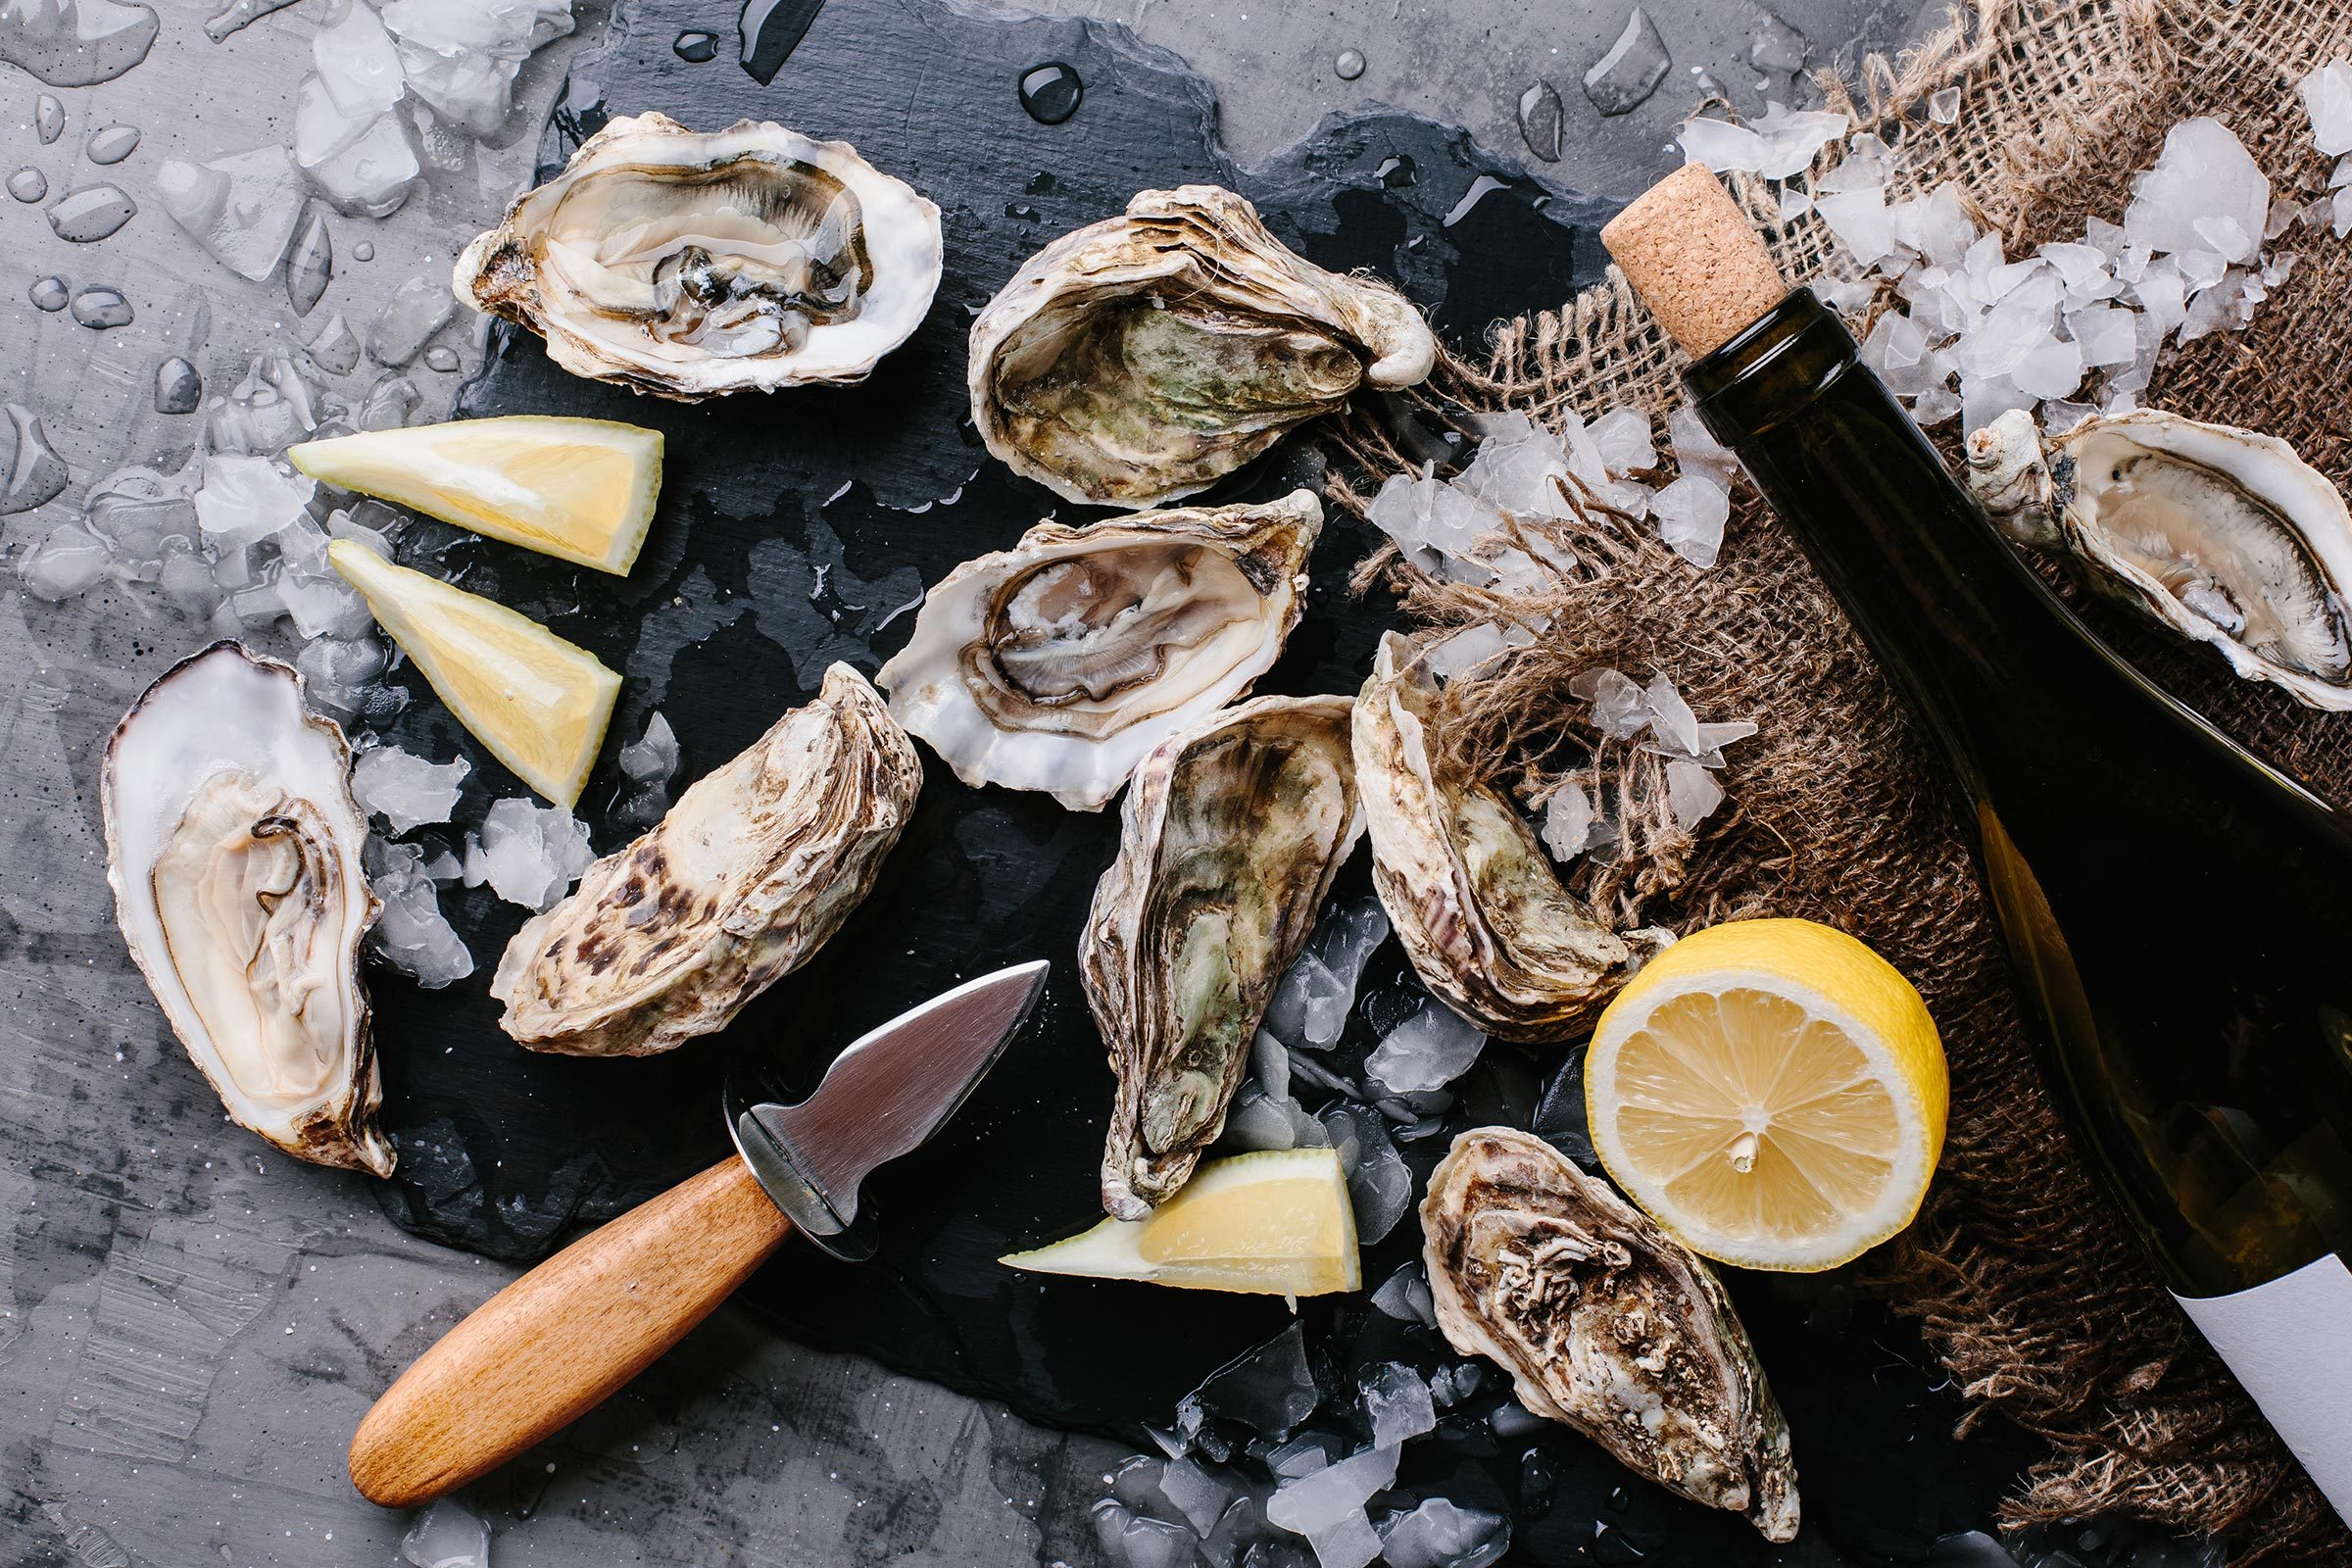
[1604,1322]
[2225,535]
[233,844]
[745,877]
[684,264]
[1486,920]
[1136,360]
[1057,665]
[1229,839]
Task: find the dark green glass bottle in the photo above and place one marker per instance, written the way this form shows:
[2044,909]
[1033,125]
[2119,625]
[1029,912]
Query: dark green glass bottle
[2180,913]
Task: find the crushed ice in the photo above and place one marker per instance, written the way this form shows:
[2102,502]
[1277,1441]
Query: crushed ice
[530,855]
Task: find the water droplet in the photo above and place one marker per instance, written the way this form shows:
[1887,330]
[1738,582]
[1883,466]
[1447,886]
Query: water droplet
[111,144]
[178,388]
[239,14]
[91,213]
[1040,183]
[441,357]
[102,307]
[1051,92]
[1349,65]
[1399,172]
[79,43]
[362,251]
[1776,46]
[48,118]
[1020,212]
[50,294]
[695,47]
[1622,79]
[28,184]
[1481,188]
[771,29]
[1540,120]
[33,473]
[310,265]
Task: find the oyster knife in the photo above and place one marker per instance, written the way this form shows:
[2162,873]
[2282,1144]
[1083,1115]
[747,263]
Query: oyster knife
[553,1343]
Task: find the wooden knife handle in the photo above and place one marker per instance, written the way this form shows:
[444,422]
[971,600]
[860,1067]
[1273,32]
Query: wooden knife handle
[550,1347]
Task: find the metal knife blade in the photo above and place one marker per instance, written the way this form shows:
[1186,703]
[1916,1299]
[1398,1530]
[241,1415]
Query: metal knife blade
[884,1096]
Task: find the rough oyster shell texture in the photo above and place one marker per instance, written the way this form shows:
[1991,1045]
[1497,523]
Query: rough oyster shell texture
[684,264]
[1231,835]
[1604,1322]
[1485,920]
[747,875]
[233,844]
[1134,360]
[2225,535]
[1057,665]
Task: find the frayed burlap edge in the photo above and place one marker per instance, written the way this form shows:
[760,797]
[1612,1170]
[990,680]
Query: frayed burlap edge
[2021,1273]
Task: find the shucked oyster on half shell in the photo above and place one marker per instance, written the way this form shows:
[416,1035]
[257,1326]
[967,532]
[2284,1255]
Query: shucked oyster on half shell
[2224,535]
[1230,837]
[1604,1322]
[1057,665]
[233,844]
[684,264]
[1136,360]
[745,877]
[1485,920]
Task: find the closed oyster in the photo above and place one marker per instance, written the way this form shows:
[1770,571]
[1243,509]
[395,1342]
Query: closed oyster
[747,876]
[233,844]
[1057,665]
[1481,914]
[1604,1322]
[686,265]
[2224,535]
[1136,360]
[1230,837]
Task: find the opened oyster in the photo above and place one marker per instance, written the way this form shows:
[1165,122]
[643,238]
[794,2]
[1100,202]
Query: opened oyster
[685,265]
[2224,535]
[1229,840]
[1604,1322]
[232,842]
[749,874]
[1136,360]
[1057,665]
[1481,914]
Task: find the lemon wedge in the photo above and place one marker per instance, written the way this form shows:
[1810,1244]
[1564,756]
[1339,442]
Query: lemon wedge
[538,703]
[1772,1091]
[580,490]
[1276,1223]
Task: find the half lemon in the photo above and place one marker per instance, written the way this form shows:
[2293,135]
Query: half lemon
[538,703]
[580,490]
[1770,1092]
[1273,1223]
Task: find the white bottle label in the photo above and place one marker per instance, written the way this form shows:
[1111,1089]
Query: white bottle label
[2289,1341]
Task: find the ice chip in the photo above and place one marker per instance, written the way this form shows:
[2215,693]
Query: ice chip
[1692,513]
[1322,1497]
[1468,648]
[1692,793]
[1258,1120]
[1397,1403]
[356,62]
[531,855]
[411,934]
[1936,226]
[246,499]
[1943,106]
[1697,452]
[1721,146]
[1309,1007]
[2104,334]
[1431,1047]
[1861,220]
[1623,436]
[461,55]
[1380,1185]
[1567,821]
[1196,1494]
[1439,1535]
[240,206]
[654,757]
[1791,138]
[416,309]
[1270,1388]
[2051,370]
[2326,95]
[447,1534]
[2204,172]
[1671,718]
[404,789]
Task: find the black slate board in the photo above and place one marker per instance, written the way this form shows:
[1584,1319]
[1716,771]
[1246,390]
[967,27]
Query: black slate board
[792,528]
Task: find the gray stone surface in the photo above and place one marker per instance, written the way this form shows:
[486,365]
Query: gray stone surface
[191,1325]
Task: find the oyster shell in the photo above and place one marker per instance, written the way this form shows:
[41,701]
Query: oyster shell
[1486,922]
[2224,535]
[1057,665]
[1229,839]
[684,264]
[233,844]
[1136,360]
[1604,1322]
[745,877]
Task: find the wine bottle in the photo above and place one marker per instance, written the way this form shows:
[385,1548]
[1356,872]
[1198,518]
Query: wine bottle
[2180,911]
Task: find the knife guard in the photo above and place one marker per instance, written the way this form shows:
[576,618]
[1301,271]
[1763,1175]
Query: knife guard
[555,1342]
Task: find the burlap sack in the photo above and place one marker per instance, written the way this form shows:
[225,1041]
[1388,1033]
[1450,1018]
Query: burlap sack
[2020,1272]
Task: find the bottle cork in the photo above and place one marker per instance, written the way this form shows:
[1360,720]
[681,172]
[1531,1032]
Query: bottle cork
[1695,260]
